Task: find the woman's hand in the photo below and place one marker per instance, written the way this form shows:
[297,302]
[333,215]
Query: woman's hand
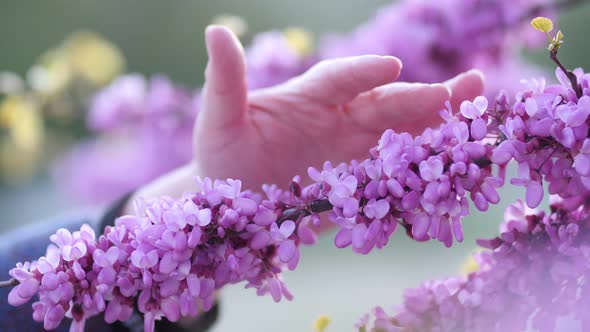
[335,111]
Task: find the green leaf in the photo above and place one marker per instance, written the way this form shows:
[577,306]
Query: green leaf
[559,37]
[542,24]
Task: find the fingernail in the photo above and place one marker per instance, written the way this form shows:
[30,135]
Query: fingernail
[475,72]
[396,59]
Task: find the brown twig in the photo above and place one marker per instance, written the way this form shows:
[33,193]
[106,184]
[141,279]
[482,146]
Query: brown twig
[9,283]
[571,76]
[294,214]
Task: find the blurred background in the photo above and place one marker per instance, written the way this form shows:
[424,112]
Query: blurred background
[54,55]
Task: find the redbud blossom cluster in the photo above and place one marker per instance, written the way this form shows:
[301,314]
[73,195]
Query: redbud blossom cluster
[172,255]
[440,39]
[138,121]
[425,183]
[531,277]
[167,260]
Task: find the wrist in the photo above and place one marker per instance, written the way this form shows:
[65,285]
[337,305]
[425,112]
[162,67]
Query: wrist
[173,184]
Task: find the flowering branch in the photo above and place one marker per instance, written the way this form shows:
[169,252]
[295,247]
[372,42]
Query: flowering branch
[506,290]
[172,255]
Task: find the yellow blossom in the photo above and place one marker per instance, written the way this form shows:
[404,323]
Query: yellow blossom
[84,55]
[23,122]
[235,23]
[321,323]
[20,147]
[300,40]
[93,57]
[470,265]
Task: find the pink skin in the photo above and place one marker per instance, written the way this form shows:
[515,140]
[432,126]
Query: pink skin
[336,111]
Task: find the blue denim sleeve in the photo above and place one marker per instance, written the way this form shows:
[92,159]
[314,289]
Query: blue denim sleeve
[25,244]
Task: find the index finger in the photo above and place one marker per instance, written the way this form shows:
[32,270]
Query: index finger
[338,81]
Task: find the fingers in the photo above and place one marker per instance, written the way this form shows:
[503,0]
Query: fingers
[465,86]
[409,107]
[338,81]
[225,90]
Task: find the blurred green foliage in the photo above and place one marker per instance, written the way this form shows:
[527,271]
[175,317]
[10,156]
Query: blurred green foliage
[167,36]
[158,36]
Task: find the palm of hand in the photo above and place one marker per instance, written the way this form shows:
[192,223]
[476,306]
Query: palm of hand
[336,111]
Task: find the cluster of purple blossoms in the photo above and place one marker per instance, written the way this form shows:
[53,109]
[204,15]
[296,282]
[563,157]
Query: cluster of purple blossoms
[546,132]
[65,280]
[137,121]
[172,255]
[531,277]
[436,40]
[271,60]
[168,259]
[440,39]
[423,183]
[132,101]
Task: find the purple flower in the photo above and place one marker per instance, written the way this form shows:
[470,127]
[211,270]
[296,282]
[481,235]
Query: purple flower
[122,101]
[474,110]
[447,37]
[528,276]
[271,60]
[136,122]
[27,287]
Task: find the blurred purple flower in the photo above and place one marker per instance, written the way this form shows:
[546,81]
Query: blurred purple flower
[530,278]
[138,123]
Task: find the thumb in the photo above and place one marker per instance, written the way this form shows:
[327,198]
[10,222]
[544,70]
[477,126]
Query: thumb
[225,90]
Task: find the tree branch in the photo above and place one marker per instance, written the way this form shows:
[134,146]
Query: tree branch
[571,76]
[9,283]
